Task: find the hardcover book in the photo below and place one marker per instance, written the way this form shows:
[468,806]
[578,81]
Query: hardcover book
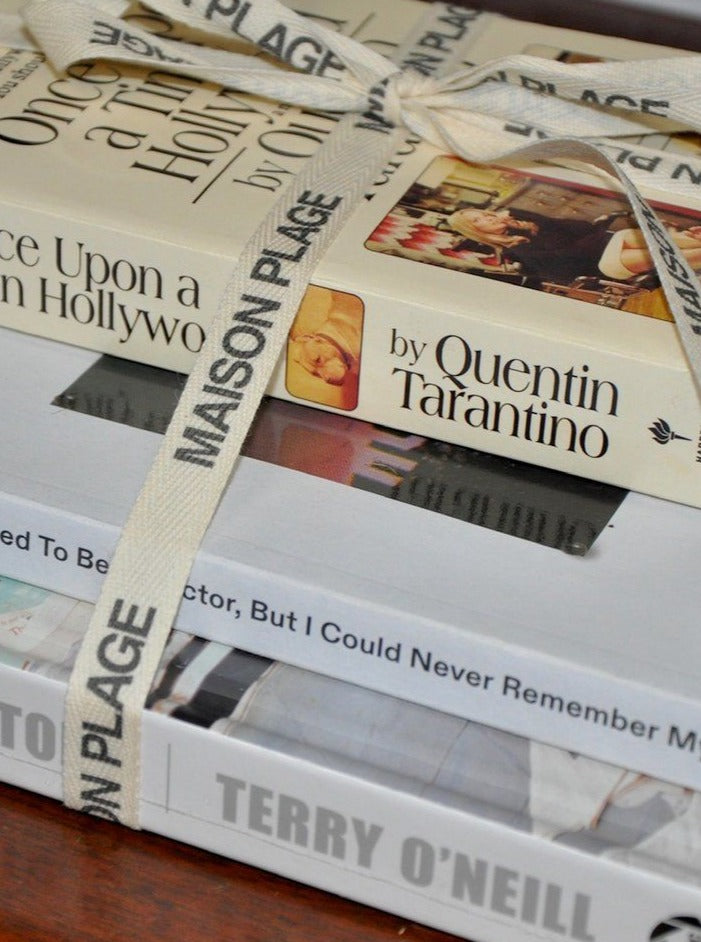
[441,820]
[537,605]
[125,195]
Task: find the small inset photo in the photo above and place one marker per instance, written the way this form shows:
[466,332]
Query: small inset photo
[534,231]
[324,348]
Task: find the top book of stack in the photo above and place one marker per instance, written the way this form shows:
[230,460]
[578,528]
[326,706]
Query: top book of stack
[126,195]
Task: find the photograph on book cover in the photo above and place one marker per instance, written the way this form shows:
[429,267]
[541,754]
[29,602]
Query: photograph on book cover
[533,230]
[322,362]
[549,507]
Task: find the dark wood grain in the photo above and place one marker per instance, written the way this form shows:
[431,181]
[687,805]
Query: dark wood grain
[609,17]
[65,877]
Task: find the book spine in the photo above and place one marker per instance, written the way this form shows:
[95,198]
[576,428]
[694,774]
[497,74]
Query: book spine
[403,853]
[349,636]
[445,373]
[469,380]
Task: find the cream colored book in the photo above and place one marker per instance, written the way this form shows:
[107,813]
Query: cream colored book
[126,195]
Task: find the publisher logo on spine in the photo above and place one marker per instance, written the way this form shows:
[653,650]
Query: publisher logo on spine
[663,433]
[678,929]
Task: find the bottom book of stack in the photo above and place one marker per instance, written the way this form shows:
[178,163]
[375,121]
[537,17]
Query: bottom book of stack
[454,824]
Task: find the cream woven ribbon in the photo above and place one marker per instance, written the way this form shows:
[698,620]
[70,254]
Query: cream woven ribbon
[463,112]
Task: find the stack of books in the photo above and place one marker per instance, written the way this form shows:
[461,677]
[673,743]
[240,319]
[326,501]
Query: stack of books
[439,649]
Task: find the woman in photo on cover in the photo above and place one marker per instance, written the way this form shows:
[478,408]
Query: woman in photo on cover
[560,250]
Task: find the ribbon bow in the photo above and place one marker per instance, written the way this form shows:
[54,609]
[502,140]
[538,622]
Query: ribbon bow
[425,91]
[462,110]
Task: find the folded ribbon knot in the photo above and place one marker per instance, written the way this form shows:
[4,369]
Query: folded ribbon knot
[404,96]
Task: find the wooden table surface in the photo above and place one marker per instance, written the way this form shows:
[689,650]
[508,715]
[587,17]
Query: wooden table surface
[65,877]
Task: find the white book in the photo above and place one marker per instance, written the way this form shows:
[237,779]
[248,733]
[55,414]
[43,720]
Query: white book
[598,652]
[443,821]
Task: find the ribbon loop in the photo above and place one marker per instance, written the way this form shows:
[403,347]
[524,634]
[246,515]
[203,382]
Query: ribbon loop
[416,95]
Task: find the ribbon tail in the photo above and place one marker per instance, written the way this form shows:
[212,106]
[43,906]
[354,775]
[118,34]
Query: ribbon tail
[196,458]
[678,279]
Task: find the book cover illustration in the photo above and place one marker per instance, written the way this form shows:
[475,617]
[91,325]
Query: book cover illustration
[548,507]
[323,356]
[533,230]
[553,794]
[549,233]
